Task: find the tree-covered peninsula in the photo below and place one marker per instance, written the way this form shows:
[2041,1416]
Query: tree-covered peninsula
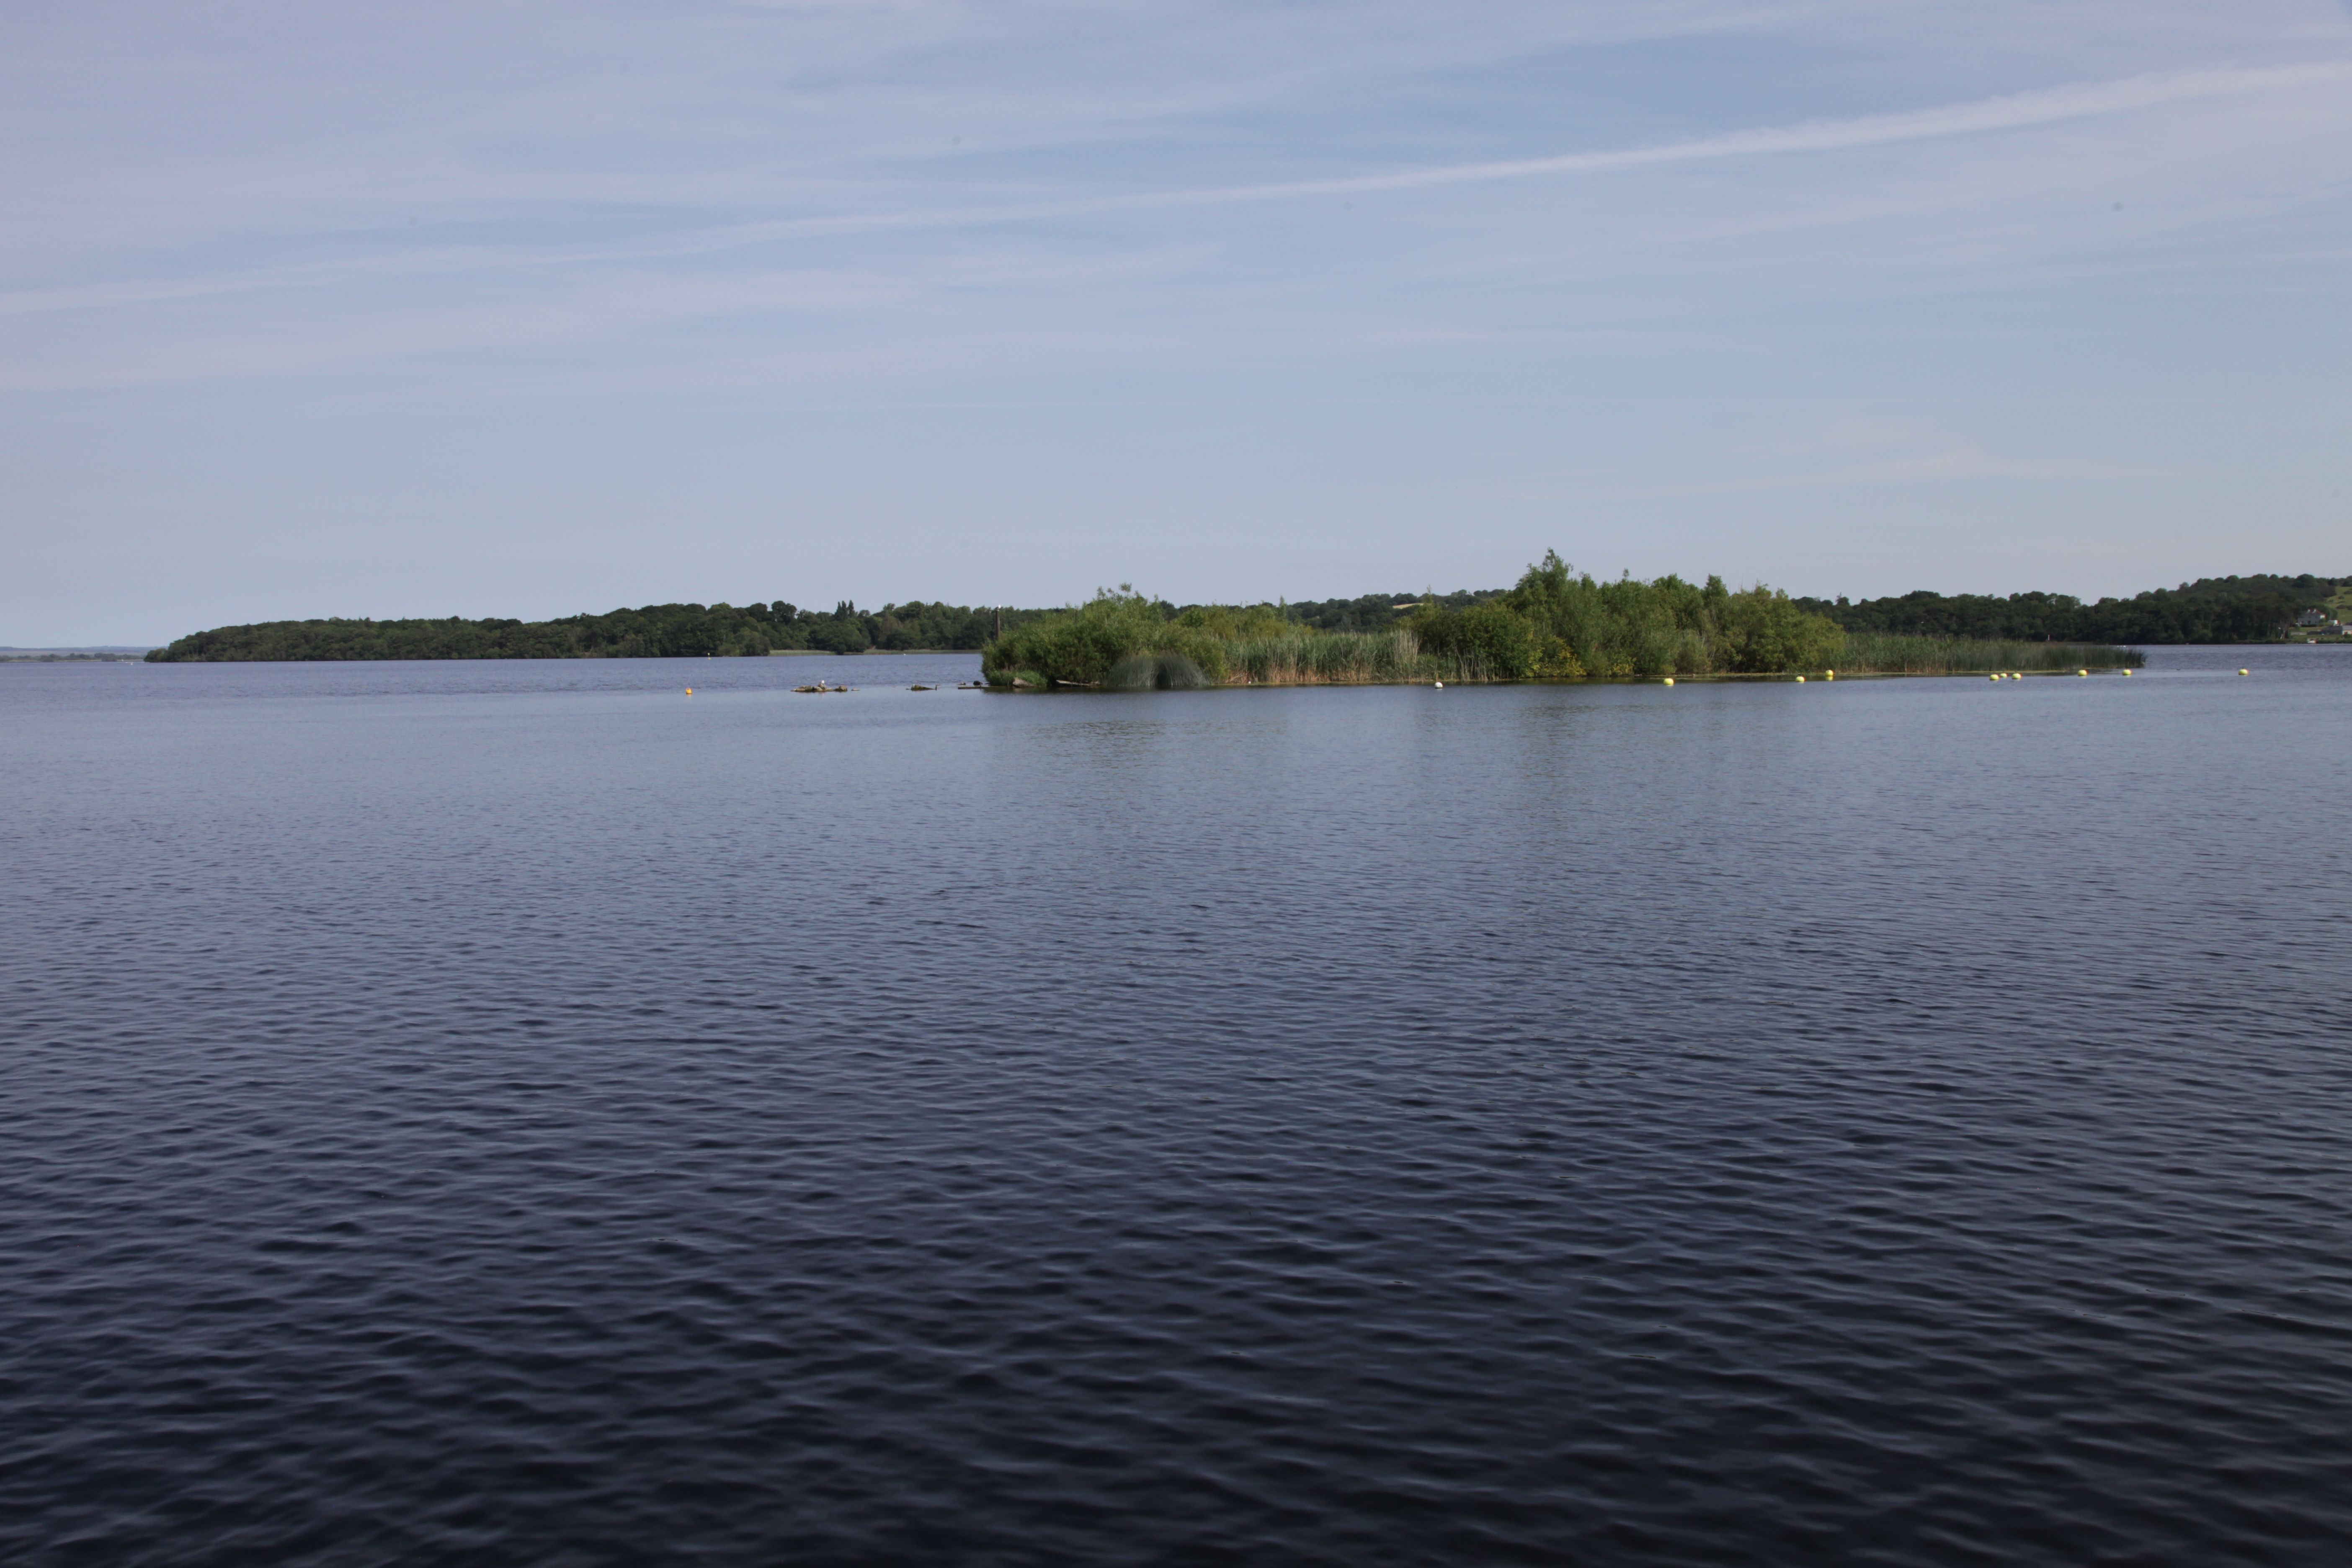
[656,631]
[2210,610]
[1555,625]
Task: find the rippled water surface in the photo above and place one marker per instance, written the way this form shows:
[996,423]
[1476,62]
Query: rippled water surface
[520,1113]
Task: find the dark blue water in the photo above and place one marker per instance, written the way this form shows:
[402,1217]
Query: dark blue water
[517,1114]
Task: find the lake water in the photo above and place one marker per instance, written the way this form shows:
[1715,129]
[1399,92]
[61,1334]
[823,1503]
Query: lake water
[521,1113]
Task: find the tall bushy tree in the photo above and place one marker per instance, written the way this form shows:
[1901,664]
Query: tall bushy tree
[1762,630]
[1082,645]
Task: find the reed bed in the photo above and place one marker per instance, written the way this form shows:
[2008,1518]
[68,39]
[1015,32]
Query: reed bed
[1324,658]
[1885,653]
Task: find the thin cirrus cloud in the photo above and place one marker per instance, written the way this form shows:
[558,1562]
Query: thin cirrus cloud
[2007,113]
[1933,464]
[2013,111]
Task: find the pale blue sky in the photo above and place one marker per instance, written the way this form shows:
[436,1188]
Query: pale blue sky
[526,309]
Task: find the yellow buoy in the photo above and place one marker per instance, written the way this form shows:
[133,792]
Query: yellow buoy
[1801,680]
[2241,672]
[689,691]
[2127,673]
[2081,672]
[1670,681]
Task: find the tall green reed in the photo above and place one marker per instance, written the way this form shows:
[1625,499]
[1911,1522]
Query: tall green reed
[1885,653]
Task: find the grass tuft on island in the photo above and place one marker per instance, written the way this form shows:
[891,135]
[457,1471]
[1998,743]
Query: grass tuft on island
[1554,625]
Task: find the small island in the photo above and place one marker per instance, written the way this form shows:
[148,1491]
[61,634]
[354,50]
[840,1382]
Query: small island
[1555,623]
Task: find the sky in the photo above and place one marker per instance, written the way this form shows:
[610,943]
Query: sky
[519,309]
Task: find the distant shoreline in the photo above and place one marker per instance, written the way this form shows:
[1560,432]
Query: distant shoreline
[2214,610]
[74,655]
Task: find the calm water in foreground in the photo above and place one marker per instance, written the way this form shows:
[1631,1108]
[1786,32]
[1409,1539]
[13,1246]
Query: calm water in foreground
[517,1114]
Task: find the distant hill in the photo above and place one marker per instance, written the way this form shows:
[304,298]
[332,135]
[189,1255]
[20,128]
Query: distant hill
[2210,610]
[656,631]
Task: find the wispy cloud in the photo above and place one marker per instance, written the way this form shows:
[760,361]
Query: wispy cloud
[1981,117]
[2012,112]
[1959,464]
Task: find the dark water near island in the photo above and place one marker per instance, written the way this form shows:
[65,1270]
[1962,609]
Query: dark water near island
[516,1113]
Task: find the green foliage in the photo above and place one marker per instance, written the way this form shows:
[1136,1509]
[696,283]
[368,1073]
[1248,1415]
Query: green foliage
[1669,626]
[1555,625]
[1763,630]
[1229,621]
[1380,612]
[1080,646]
[2210,610]
[1123,640]
[1492,640]
[1886,653]
[656,631]
[1499,640]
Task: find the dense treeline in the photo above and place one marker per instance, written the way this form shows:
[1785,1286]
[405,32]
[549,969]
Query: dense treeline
[1554,625]
[2210,610]
[1380,612]
[656,631]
